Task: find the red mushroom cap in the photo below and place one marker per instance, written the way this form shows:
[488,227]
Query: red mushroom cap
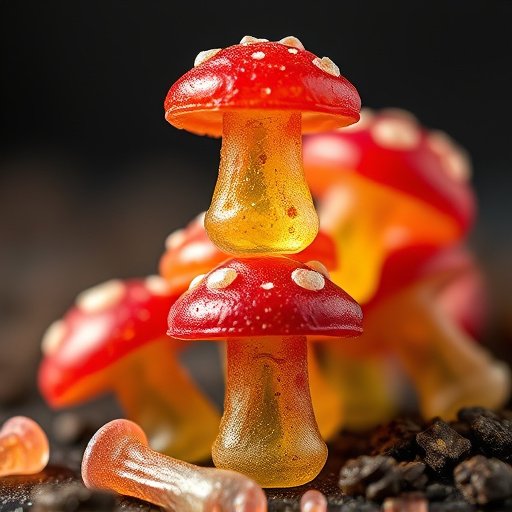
[264,296]
[191,252]
[390,147]
[261,75]
[107,323]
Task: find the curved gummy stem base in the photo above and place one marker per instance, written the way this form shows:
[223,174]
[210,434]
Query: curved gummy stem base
[178,419]
[268,430]
[261,203]
[449,369]
[24,447]
[119,459]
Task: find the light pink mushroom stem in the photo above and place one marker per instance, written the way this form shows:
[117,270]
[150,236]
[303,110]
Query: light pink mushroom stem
[24,448]
[313,501]
[449,369]
[268,430]
[118,459]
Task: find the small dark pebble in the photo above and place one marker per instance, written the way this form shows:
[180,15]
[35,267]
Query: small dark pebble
[439,492]
[375,477]
[482,480]
[468,414]
[443,446]
[396,439]
[413,475]
[493,437]
[70,497]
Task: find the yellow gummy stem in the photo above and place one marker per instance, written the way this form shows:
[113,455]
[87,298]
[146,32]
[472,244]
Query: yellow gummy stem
[261,203]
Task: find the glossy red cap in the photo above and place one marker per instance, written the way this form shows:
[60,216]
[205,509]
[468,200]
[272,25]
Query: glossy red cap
[106,323]
[264,296]
[261,75]
[391,148]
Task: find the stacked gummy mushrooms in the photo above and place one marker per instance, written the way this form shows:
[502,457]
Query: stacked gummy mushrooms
[264,290]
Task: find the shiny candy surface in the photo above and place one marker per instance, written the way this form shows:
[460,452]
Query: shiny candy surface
[24,447]
[118,459]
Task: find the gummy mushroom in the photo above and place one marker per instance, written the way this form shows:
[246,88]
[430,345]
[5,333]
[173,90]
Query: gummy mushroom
[119,459]
[260,96]
[265,307]
[384,184]
[113,340]
[24,447]
[190,252]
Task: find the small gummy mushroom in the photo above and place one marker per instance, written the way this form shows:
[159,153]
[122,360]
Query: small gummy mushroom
[313,501]
[265,307]
[190,252]
[383,184]
[114,340]
[24,447]
[260,96]
[119,459]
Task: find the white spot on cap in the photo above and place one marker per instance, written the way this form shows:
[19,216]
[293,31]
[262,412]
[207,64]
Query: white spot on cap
[101,297]
[292,41]
[197,251]
[157,285]
[205,55]
[396,133]
[258,55]
[53,337]
[175,239]
[293,50]
[251,39]
[196,281]
[267,286]
[319,267]
[308,279]
[327,65]
[221,278]
[266,91]
[455,161]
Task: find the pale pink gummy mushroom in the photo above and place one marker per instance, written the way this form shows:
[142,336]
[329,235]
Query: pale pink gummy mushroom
[24,447]
[119,459]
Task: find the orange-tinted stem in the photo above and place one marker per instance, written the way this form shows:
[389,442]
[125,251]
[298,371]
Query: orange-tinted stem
[162,398]
[268,430]
[119,459]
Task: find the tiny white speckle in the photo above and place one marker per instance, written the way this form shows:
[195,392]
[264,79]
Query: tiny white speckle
[319,267]
[282,68]
[221,278]
[157,285]
[263,326]
[251,39]
[292,41]
[327,65]
[308,279]
[399,134]
[196,281]
[258,55]
[293,50]
[267,91]
[53,337]
[205,55]
[267,286]
[175,239]
[101,297]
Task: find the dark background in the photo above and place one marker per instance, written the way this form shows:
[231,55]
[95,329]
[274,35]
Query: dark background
[93,179]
